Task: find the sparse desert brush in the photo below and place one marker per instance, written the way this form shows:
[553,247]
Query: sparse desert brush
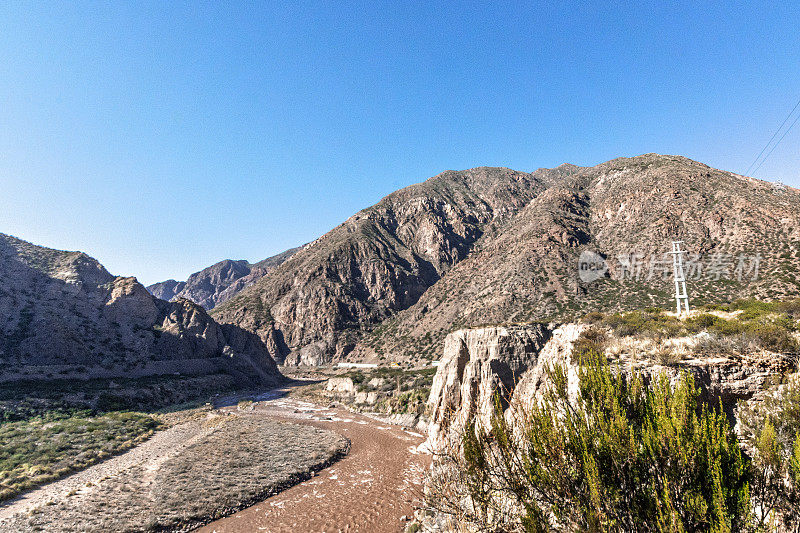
[791,308]
[244,405]
[756,325]
[667,356]
[770,429]
[622,453]
[244,460]
[592,339]
[714,345]
[774,337]
[47,447]
[654,324]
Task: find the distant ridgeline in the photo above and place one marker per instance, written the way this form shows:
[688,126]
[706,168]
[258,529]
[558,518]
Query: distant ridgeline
[219,282]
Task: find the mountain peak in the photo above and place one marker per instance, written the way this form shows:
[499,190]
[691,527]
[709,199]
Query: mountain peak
[219,282]
[491,244]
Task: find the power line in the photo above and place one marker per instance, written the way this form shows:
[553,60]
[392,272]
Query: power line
[777,143]
[747,172]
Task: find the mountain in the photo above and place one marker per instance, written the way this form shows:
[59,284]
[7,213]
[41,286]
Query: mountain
[63,316]
[219,282]
[629,207]
[492,245]
[319,303]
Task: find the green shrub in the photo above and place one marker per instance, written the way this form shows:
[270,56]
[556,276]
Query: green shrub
[773,337]
[593,317]
[716,307]
[624,456]
[771,430]
[701,322]
[752,309]
[653,324]
[357,376]
[728,327]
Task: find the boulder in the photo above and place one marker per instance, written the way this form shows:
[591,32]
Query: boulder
[340,385]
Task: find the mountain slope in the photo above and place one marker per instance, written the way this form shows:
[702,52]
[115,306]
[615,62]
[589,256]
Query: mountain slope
[219,282]
[62,315]
[629,206]
[318,303]
[492,245]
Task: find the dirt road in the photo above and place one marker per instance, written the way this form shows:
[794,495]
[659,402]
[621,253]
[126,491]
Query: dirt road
[370,490]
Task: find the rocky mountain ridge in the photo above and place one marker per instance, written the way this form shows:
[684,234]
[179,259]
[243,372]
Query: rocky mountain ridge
[64,316]
[319,303]
[623,210]
[493,245]
[219,282]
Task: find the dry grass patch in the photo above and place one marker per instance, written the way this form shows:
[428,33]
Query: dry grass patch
[244,460]
[44,448]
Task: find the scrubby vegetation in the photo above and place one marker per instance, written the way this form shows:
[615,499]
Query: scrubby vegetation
[737,328]
[49,446]
[621,456]
[770,430]
[242,460]
[49,429]
[24,399]
[390,390]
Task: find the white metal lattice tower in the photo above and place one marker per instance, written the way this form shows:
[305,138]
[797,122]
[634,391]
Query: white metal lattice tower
[681,296]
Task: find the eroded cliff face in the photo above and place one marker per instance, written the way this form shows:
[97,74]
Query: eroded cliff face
[514,360]
[62,315]
[477,363]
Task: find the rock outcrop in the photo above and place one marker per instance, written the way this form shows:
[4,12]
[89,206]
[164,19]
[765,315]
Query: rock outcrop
[63,316]
[513,360]
[494,246]
[219,282]
[476,364]
[340,385]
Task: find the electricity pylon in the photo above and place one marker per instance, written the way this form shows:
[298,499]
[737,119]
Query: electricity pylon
[681,296]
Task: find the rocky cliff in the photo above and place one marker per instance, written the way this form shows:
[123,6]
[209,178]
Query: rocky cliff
[219,282]
[475,365]
[493,245]
[62,315]
[513,360]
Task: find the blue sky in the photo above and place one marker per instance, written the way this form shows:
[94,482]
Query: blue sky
[162,139]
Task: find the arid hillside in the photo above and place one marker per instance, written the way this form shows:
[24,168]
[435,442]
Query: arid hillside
[219,282]
[65,317]
[492,245]
[318,304]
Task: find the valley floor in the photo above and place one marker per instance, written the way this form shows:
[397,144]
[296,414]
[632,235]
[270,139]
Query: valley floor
[212,462]
[371,489]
